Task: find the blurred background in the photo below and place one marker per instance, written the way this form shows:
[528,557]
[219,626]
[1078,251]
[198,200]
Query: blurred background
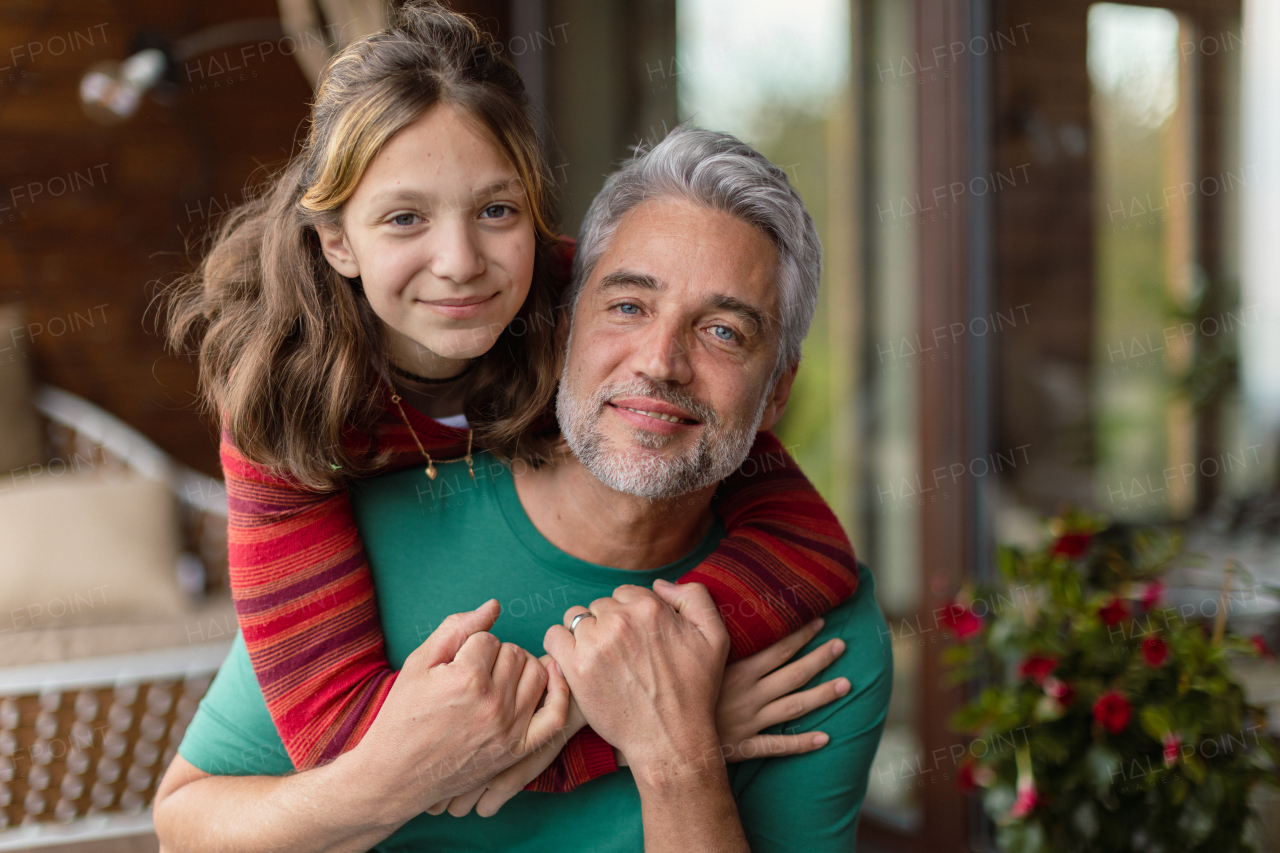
[1051,277]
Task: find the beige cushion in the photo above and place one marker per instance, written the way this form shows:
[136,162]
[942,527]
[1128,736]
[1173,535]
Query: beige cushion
[20,441]
[213,622]
[86,550]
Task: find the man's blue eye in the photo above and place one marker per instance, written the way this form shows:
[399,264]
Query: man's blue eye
[724,333]
[628,308]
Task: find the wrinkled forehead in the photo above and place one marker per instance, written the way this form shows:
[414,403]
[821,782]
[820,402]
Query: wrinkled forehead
[687,253]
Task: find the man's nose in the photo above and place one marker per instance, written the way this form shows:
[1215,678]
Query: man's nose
[455,251]
[662,354]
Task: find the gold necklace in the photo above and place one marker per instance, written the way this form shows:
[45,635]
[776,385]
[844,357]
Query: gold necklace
[431,466]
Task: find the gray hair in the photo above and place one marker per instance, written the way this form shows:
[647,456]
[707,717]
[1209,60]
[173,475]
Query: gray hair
[723,173]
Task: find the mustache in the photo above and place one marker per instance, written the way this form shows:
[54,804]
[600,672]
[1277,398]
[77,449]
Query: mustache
[638,387]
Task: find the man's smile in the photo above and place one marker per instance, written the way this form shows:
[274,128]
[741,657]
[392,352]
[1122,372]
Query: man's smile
[652,414]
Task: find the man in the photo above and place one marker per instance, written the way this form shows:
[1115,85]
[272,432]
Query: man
[696,279]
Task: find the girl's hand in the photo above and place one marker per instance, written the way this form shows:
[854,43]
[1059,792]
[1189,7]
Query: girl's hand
[756,694]
[489,798]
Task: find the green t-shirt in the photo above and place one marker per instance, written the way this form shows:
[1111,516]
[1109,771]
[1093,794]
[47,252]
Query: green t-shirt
[448,545]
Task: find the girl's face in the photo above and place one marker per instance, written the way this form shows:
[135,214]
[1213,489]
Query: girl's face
[440,233]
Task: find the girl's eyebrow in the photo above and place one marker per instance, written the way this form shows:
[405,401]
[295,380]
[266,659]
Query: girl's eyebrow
[511,184]
[398,195]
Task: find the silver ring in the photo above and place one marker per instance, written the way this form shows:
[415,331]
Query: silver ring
[573,623]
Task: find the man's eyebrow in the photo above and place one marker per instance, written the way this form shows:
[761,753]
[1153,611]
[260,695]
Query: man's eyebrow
[626,278]
[747,312]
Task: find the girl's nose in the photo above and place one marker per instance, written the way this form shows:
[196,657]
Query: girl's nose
[455,253]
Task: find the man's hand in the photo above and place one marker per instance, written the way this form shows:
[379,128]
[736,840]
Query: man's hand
[646,672]
[645,668]
[464,708]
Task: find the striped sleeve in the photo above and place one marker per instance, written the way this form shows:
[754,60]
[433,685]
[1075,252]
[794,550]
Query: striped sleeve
[304,598]
[785,559]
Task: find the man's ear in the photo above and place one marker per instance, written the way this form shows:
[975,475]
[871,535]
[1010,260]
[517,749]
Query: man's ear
[333,242]
[778,398]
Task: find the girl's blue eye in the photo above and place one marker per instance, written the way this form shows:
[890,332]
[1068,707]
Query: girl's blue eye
[404,218]
[724,333]
[496,211]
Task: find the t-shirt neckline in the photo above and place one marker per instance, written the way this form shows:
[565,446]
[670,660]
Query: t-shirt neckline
[546,553]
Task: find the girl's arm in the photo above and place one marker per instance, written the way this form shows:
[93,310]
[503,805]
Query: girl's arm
[305,602]
[785,560]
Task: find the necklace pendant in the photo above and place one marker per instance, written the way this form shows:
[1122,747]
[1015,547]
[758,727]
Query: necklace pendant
[431,472]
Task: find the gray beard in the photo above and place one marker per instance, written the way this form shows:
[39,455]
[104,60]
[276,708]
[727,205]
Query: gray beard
[716,454]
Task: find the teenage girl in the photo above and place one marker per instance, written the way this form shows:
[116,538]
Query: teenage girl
[393,300]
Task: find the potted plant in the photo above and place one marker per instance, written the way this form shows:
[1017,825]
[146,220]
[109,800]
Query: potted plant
[1108,721]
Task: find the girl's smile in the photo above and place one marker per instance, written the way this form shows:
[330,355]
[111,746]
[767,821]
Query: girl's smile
[460,309]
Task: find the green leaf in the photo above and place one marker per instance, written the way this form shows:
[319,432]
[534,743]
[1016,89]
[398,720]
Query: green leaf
[1021,837]
[1194,768]
[1085,820]
[1157,721]
[1178,789]
[1103,765]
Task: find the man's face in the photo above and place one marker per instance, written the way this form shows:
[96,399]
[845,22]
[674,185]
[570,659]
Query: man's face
[674,341]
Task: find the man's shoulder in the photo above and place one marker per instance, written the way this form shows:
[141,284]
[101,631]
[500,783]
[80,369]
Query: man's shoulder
[860,613]
[859,621]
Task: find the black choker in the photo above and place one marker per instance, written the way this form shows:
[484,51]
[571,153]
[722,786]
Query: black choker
[425,380]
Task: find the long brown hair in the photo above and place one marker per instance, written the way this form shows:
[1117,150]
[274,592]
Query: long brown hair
[290,351]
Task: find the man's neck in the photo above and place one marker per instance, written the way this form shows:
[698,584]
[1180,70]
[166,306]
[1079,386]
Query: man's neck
[586,519]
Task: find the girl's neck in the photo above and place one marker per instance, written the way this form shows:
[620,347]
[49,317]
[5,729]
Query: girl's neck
[434,400]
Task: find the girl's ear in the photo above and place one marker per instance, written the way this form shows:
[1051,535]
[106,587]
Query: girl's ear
[333,242]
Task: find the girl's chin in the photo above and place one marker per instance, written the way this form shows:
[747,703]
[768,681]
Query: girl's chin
[462,346]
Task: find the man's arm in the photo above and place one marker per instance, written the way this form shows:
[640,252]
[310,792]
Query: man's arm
[464,708]
[811,803]
[197,811]
[645,668]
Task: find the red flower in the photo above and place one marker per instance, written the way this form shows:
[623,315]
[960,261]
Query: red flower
[1059,690]
[1037,667]
[1114,611]
[973,775]
[1155,651]
[1112,711]
[1025,803]
[1261,647]
[1152,593]
[1172,743]
[1072,545]
[961,621]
